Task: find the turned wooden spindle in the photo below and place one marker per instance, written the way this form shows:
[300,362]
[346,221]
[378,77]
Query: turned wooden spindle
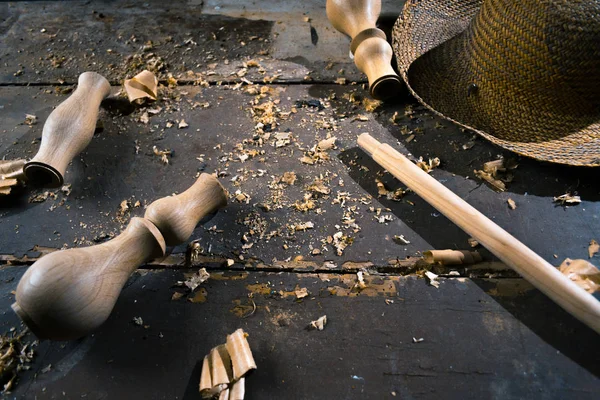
[67,131]
[372,53]
[69,293]
[177,216]
[66,294]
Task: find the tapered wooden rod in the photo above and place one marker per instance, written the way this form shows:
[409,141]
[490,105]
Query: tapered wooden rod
[69,293]
[372,52]
[67,131]
[507,248]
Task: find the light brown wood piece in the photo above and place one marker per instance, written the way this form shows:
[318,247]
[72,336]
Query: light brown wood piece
[177,216]
[515,254]
[452,257]
[67,294]
[67,131]
[372,53]
[241,355]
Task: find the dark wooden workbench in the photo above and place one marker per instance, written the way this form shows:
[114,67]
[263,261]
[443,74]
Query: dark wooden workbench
[486,333]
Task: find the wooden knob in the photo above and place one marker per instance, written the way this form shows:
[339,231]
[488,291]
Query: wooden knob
[69,293]
[67,131]
[372,52]
[177,216]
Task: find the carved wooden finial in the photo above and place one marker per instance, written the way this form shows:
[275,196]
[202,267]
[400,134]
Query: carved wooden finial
[69,293]
[372,52]
[67,131]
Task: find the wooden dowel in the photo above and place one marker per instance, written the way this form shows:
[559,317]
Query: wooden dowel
[507,248]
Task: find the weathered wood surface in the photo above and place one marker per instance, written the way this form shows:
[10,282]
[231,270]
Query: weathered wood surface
[505,341]
[472,347]
[109,171]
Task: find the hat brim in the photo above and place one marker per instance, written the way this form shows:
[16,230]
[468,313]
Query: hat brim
[436,59]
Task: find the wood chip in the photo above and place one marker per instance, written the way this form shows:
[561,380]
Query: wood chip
[583,273]
[143,85]
[593,248]
[511,204]
[318,324]
[326,144]
[567,198]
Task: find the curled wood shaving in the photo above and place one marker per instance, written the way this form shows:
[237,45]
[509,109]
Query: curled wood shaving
[583,273]
[195,280]
[11,173]
[225,367]
[428,166]
[143,85]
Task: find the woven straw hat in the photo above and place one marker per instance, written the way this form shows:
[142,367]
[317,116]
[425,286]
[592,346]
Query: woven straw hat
[524,74]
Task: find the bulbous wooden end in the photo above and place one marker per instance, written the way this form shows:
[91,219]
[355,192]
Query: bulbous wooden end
[69,293]
[386,87]
[42,175]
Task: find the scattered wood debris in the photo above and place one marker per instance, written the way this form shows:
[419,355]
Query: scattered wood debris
[163,154]
[585,274]
[428,166]
[567,199]
[301,293]
[224,369]
[11,173]
[318,324]
[593,248]
[16,355]
[195,280]
[326,144]
[497,173]
[182,124]
[143,85]
[473,242]
[289,178]
[511,204]
[401,239]
[138,321]
[419,340]
[30,119]
[360,280]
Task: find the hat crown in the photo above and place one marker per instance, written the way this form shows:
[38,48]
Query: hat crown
[540,45]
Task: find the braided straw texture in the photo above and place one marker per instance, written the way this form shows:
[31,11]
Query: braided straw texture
[535,65]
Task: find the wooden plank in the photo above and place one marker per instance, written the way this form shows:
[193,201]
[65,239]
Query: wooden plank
[171,39]
[472,348]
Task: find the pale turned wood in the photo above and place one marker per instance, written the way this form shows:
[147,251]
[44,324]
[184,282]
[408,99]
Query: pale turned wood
[177,216]
[513,253]
[372,53]
[69,293]
[67,131]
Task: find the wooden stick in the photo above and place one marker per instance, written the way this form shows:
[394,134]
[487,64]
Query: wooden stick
[515,254]
[372,53]
[69,293]
[67,131]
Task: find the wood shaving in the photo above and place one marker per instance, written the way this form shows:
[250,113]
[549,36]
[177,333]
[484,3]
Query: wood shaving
[318,324]
[225,367]
[195,280]
[593,248]
[163,154]
[585,274]
[143,85]
[318,186]
[473,242]
[511,204]
[303,226]
[432,279]
[496,183]
[567,198]
[16,355]
[30,119]
[301,293]
[288,178]
[428,166]
[182,124]
[326,144]
[360,280]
